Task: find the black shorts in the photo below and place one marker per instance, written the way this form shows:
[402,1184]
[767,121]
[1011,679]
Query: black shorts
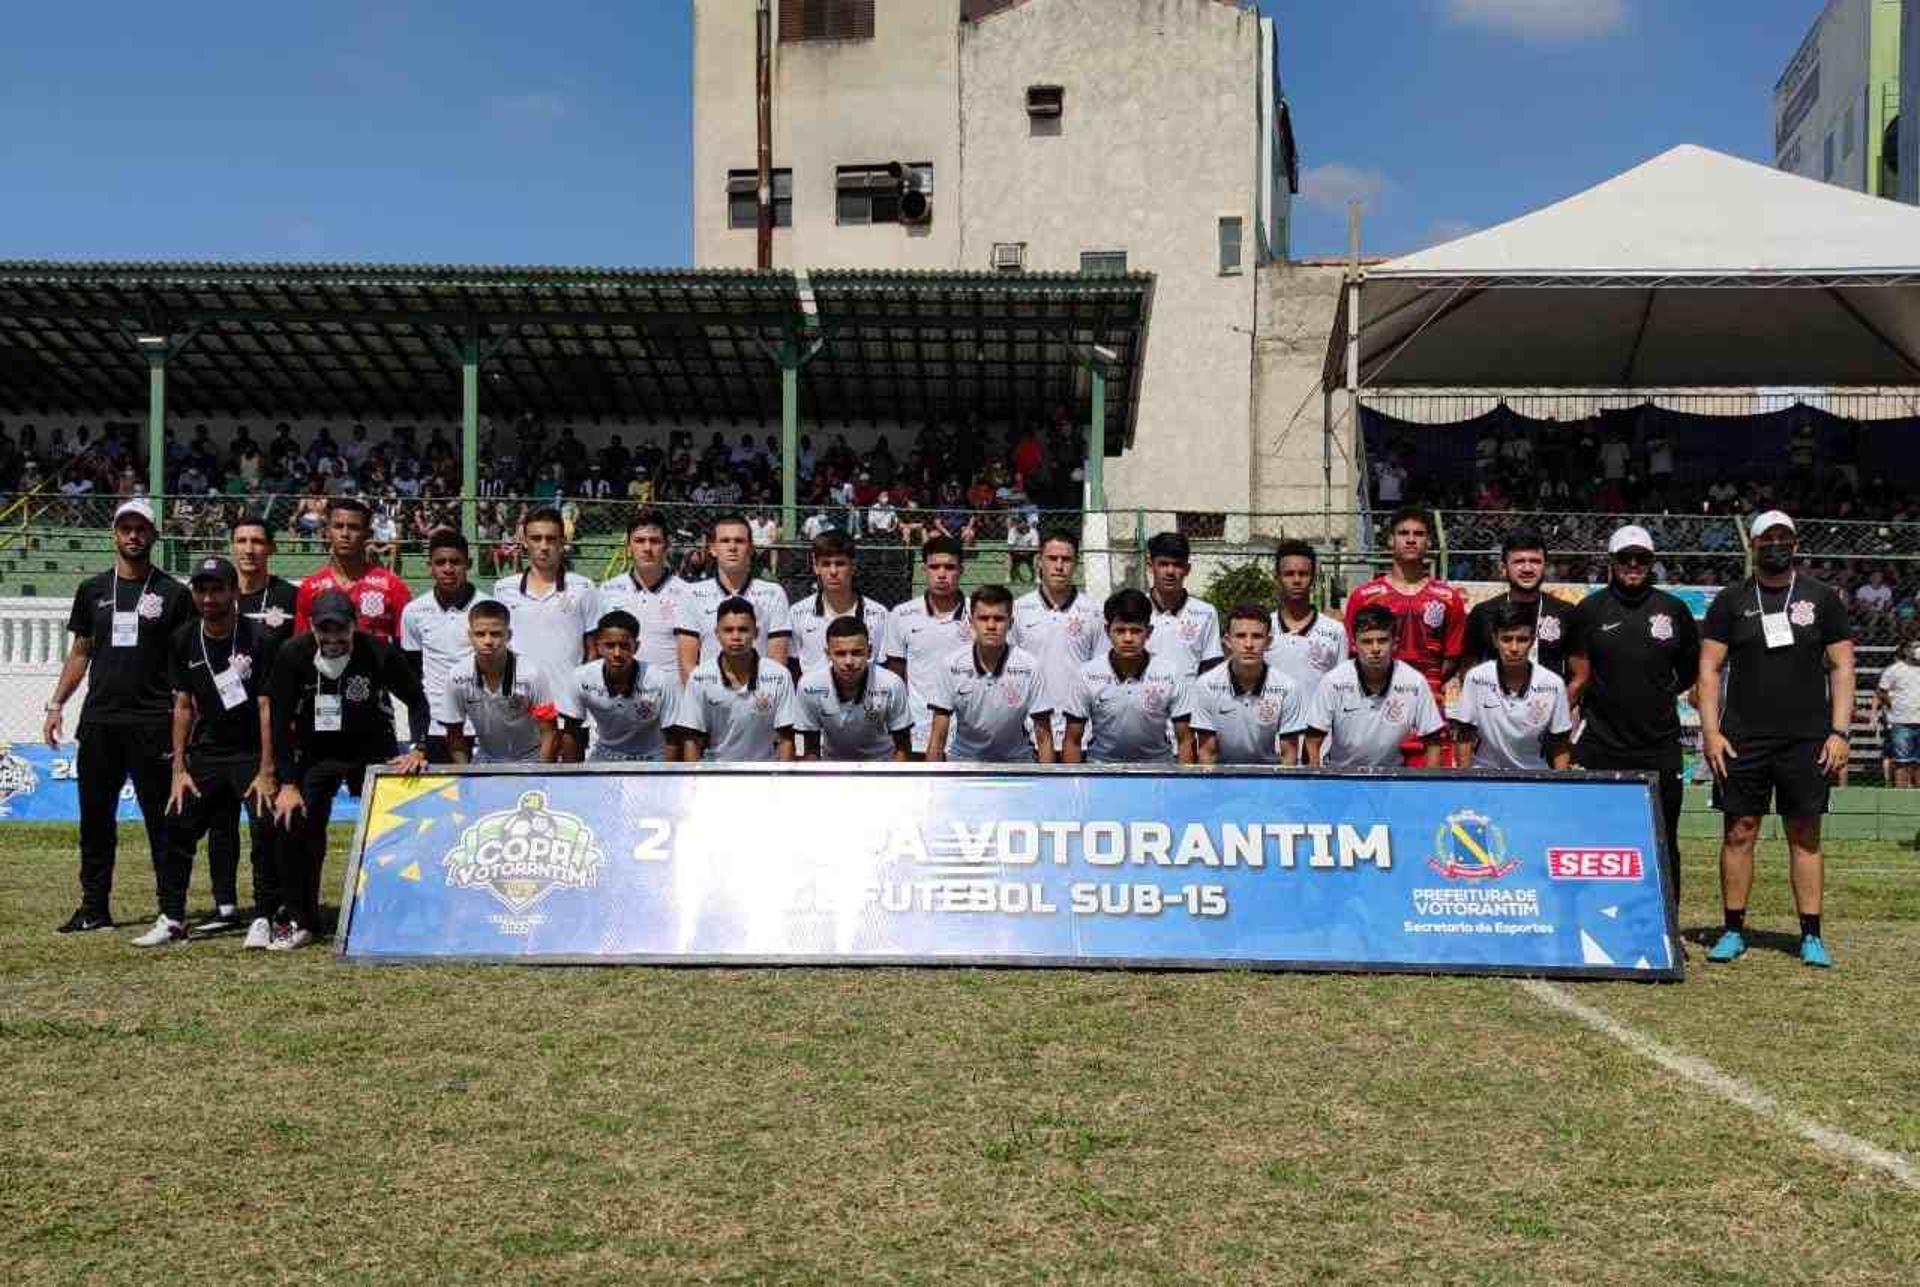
[1773,777]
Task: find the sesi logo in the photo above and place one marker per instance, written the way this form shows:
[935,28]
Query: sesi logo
[1595,864]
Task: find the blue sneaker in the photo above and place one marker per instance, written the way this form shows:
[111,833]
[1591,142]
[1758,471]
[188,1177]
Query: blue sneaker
[1731,947]
[1814,952]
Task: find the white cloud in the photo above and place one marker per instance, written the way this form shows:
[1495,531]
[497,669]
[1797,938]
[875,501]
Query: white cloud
[1331,186]
[1542,19]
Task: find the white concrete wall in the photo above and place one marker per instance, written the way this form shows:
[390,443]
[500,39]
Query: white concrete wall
[1297,303]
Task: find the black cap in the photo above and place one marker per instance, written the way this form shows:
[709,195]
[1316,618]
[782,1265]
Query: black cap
[214,568]
[332,608]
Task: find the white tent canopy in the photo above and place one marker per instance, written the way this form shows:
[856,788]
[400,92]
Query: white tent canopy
[1695,269]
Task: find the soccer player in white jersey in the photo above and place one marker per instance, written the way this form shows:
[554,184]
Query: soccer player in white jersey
[1247,711]
[738,705]
[627,699]
[505,696]
[849,708]
[433,627]
[730,549]
[984,695]
[650,591]
[835,596]
[921,632]
[1366,707]
[1056,622]
[554,608]
[1128,695]
[1513,711]
[1185,629]
[1306,643]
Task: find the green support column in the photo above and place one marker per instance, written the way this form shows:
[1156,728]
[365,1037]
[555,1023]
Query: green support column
[156,426]
[470,437]
[789,446]
[1097,442]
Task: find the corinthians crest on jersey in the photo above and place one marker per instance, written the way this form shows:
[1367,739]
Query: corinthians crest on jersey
[523,854]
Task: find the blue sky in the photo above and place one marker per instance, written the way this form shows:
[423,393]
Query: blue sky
[484,132]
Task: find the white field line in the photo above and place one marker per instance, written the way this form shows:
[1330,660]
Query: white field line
[1848,1148]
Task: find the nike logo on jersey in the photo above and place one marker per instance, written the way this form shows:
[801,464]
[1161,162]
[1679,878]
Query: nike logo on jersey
[1611,625]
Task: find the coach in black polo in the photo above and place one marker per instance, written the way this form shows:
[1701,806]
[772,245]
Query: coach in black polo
[1632,650]
[1780,735]
[1523,560]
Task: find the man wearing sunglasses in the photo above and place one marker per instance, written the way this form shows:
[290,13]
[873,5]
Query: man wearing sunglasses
[1632,650]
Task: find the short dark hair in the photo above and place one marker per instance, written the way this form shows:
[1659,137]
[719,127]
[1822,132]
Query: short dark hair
[1374,617]
[1295,549]
[1051,535]
[352,504]
[842,627]
[990,595]
[1511,616]
[732,518]
[1523,538]
[250,519]
[490,610]
[1129,606]
[446,538]
[620,619]
[544,514]
[733,606]
[943,545]
[1170,545]
[1414,512]
[649,518]
[833,543]
[1249,612]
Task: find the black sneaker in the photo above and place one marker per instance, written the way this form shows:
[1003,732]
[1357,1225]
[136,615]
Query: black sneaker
[217,920]
[83,920]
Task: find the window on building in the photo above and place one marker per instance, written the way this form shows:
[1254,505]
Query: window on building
[1103,263]
[871,193]
[1046,107]
[1846,133]
[743,198]
[1230,229]
[1826,157]
[826,20]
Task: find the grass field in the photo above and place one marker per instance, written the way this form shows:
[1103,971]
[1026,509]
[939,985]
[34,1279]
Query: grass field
[203,1113]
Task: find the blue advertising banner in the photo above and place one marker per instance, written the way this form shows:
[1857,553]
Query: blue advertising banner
[840,864]
[38,784]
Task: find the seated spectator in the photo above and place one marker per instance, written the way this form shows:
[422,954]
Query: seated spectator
[1023,543]
[883,521]
[1876,596]
[384,547]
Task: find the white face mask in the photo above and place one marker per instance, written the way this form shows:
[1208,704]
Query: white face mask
[331,667]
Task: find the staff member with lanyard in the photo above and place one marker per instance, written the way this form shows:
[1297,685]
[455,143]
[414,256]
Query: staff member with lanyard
[122,623]
[1779,737]
[1632,650]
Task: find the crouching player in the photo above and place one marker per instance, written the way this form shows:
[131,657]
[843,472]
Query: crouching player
[1128,695]
[1365,708]
[851,709]
[982,696]
[738,705]
[1247,712]
[506,696]
[628,701]
[1513,711]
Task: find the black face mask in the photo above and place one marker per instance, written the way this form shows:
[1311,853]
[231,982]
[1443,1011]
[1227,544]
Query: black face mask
[1774,559]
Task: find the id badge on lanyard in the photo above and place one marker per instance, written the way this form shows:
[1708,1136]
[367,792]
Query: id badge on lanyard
[231,687]
[326,712]
[1775,629]
[126,629]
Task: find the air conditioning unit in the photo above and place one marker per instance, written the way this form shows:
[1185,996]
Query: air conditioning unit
[1009,256]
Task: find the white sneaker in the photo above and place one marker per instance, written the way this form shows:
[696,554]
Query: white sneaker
[165,931]
[259,934]
[289,937]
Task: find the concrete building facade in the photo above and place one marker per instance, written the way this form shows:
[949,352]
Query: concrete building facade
[1837,96]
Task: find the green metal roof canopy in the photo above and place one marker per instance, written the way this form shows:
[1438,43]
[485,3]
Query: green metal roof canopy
[640,346]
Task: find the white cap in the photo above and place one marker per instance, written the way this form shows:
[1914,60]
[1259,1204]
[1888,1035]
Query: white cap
[1630,537]
[138,505]
[1771,519]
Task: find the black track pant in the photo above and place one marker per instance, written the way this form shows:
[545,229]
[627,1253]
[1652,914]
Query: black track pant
[109,755]
[303,846]
[215,814]
[1672,794]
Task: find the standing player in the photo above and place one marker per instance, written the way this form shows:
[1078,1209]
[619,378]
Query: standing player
[1366,709]
[984,695]
[851,709]
[554,609]
[1430,616]
[738,705]
[377,595]
[123,622]
[1129,696]
[1523,559]
[268,601]
[836,597]
[626,698]
[921,632]
[504,697]
[1057,624]
[1513,710]
[331,718]
[1780,737]
[650,592]
[1183,628]
[1306,642]
[1247,711]
[1632,650]
[730,546]
[222,758]
[433,627]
